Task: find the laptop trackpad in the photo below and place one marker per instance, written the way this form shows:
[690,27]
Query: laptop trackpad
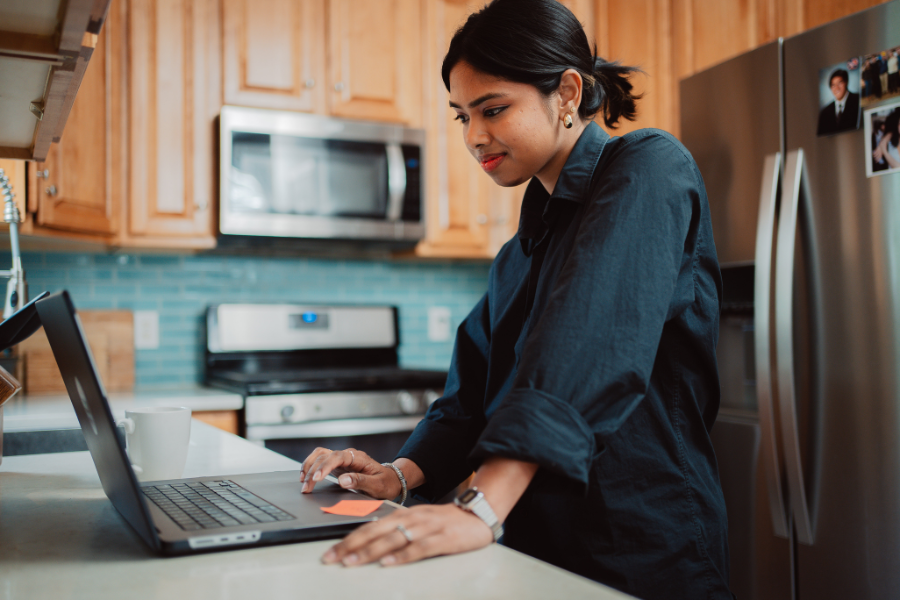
[282,488]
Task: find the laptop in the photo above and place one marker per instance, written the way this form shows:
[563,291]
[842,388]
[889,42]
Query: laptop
[186,515]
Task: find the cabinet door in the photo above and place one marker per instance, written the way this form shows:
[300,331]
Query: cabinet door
[375,60]
[80,187]
[458,193]
[175,96]
[274,54]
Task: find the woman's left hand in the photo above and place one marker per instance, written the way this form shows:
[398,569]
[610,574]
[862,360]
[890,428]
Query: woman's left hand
[431,530]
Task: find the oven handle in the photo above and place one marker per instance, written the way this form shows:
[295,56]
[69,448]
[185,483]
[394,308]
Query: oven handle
[396,181]
[335,428]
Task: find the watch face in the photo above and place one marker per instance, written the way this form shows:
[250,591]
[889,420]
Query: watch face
[468,496]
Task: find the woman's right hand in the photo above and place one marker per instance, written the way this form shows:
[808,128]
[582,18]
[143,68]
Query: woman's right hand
[365,473]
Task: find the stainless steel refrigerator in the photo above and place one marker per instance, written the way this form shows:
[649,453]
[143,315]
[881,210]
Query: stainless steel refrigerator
[808,435]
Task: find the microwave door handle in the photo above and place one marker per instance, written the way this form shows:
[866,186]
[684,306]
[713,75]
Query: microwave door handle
[765,234]
[795,184]
[396,181]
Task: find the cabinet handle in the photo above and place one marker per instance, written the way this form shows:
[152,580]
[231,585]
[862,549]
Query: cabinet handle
[481,219]
[339,86]
[201,205]
[310,83]
[42,174]
[51,191]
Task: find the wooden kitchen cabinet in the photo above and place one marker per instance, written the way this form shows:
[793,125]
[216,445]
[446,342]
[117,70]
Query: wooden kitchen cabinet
[45,48]
[458,191]
[80,188]
[226,420]
[274,54]
[375,60]
[174,98]
[136,165]
[346,58]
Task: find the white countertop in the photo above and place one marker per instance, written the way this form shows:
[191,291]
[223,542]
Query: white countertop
[41,412]
[61,538]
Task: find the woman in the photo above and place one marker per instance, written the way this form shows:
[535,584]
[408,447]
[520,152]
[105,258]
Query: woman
[886,150]
[584,383]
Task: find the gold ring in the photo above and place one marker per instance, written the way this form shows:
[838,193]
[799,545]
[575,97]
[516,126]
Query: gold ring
[405,532]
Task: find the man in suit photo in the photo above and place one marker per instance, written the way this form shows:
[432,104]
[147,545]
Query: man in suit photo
[843,113]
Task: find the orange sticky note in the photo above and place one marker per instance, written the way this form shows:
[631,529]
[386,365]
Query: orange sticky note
[353,508]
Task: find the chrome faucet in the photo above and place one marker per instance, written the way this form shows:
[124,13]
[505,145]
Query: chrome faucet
[16,289]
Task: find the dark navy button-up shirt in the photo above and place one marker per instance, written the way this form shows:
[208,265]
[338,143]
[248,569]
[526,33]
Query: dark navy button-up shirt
[600,367]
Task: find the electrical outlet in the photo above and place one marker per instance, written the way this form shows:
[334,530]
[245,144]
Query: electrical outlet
[146,329]
[438,323]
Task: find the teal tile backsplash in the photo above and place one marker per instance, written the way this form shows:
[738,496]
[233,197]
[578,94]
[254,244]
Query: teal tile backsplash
[180,287]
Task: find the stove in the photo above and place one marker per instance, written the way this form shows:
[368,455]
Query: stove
[316,371]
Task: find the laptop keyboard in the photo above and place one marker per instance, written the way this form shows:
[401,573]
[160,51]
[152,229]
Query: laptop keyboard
[211,504]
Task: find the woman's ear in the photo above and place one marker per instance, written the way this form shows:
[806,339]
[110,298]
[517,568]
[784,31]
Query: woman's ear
[569,92]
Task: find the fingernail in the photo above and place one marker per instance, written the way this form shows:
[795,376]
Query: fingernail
[317,475]
[329,557]
[389,559]
[351,559]
[345,480]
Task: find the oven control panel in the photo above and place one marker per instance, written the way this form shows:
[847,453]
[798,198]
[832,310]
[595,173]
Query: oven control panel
[326,406]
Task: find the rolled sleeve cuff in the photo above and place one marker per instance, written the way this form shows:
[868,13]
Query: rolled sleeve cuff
[533,426]
[440,451]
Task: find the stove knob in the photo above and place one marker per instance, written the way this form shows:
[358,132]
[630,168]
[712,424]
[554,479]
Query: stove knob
[408,403]
[431,396]
[286,412]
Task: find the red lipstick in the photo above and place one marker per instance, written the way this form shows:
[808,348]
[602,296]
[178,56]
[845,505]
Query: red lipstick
[489,162]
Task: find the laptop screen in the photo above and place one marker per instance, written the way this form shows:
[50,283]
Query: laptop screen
[69,345]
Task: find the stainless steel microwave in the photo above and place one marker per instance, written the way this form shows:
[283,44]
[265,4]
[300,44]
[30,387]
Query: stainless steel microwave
[293,175]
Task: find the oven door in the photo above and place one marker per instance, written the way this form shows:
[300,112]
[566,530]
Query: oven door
[305,176]
[379,437]
[378,422]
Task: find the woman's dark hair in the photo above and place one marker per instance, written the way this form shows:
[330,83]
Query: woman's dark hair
[534,42]
[890,127]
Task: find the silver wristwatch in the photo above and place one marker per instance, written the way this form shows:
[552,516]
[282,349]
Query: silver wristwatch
[474,502]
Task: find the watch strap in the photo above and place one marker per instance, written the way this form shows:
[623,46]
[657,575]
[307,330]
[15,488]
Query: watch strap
[479,506]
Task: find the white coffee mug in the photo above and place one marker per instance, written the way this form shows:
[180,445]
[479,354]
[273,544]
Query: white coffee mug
[157,441]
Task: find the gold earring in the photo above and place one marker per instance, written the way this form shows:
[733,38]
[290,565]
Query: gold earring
[572,109]
[567,121]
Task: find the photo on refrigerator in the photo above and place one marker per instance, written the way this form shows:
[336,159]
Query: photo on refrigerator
[880,76]
[883,139]
[839,98]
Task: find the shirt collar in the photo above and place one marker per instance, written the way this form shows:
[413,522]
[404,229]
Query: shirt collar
[839,104]
[573,185]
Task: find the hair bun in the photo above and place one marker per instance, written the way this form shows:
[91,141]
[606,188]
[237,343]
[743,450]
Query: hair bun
[611,92]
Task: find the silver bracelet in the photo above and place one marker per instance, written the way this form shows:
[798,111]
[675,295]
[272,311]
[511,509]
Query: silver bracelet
[402,480]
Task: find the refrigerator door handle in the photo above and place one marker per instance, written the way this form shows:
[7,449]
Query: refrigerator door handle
[795,184]
[765,233]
